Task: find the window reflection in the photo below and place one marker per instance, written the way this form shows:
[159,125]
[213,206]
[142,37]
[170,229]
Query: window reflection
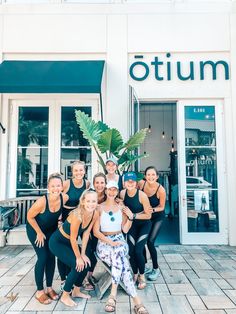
[73,145]
[32,153]
[201,169]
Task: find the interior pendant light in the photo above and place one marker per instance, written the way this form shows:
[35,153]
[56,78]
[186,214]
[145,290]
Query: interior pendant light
[149,126]
[172,136]
[163,118]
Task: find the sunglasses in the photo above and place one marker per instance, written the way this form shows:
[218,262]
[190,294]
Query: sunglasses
[111,215]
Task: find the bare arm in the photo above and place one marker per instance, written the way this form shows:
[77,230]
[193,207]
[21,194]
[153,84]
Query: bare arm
[74,229]
[146,214]
[127,217]
[35,210]
[162,198]
[66,185]
[86,234]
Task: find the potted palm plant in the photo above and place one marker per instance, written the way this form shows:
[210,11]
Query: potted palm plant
[108,142]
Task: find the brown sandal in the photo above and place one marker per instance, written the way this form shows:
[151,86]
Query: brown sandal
[53,295]
[111,303]
[44,299]
[141,284]
[140,309]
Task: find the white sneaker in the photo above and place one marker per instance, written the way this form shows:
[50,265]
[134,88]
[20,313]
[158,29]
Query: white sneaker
[147,270]
[155,273]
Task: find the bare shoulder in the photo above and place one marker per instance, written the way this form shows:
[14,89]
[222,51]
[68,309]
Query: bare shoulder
[141,184]
[142,196]
[66,185]
[122,194]
[161,190]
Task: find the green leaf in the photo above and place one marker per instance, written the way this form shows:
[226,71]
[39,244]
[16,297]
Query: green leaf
[110,141]
[88,126]
[103,126]
[136,140]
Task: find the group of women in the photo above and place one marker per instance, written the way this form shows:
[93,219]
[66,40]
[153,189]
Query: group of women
[115,219]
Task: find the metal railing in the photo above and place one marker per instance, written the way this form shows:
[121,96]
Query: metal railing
[22,204]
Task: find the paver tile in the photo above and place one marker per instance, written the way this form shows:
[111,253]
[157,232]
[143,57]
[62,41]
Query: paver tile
[217,302]
[182,289]
[223,284]
[162,289]
[174,276]
[175,304]
[206,287]
[231,294]
[196,302]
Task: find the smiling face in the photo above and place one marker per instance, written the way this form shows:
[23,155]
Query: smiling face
[99,184]
[90,202]
[112,193]
[78,171]
[55,186]
[130,185]
[151,176]
[111,167]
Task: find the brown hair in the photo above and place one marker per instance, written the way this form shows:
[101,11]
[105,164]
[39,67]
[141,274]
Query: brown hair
[98,175]
[55,175]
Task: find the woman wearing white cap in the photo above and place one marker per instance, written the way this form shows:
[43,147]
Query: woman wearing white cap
[111,168]
[112,247]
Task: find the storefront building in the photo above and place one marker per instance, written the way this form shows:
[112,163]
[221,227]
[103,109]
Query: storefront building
[169,66]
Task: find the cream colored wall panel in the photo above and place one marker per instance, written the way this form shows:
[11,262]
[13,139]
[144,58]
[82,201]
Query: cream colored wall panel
[54,33]
[178,32]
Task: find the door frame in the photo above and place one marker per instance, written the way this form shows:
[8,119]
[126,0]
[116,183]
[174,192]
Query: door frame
[220,237]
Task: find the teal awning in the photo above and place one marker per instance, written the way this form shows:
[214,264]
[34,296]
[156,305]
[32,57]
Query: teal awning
[51,76]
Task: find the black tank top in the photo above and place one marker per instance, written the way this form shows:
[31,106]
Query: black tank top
[74,194]
[66,227]
[133,202]
[154,202]
[120,183]
[48,221]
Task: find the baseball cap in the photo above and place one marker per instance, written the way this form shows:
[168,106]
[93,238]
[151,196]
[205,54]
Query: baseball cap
[112,159]
[112,184]
[130,176]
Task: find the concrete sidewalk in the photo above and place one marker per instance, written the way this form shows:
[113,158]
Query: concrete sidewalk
[194,279]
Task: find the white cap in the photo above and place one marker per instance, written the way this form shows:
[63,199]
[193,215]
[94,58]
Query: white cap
[112,184]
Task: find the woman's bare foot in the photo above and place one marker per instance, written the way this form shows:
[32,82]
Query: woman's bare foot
[78,294]
[66,299]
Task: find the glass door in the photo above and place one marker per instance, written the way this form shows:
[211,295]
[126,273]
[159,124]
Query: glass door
[134,120]
[45,138]
[202,196]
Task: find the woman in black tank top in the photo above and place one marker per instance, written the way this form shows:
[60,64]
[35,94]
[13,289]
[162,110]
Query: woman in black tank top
[42,221]
[137,201]
[157,197]
[63,244]
[73,188]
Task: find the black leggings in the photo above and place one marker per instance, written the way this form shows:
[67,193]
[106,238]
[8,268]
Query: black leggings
[61,247]
[91,249]
[45,259]
[137,238]
[155,228]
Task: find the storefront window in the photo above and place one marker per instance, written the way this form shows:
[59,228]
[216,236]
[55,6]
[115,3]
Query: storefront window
[73,145]
[201,169]
[32,151]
